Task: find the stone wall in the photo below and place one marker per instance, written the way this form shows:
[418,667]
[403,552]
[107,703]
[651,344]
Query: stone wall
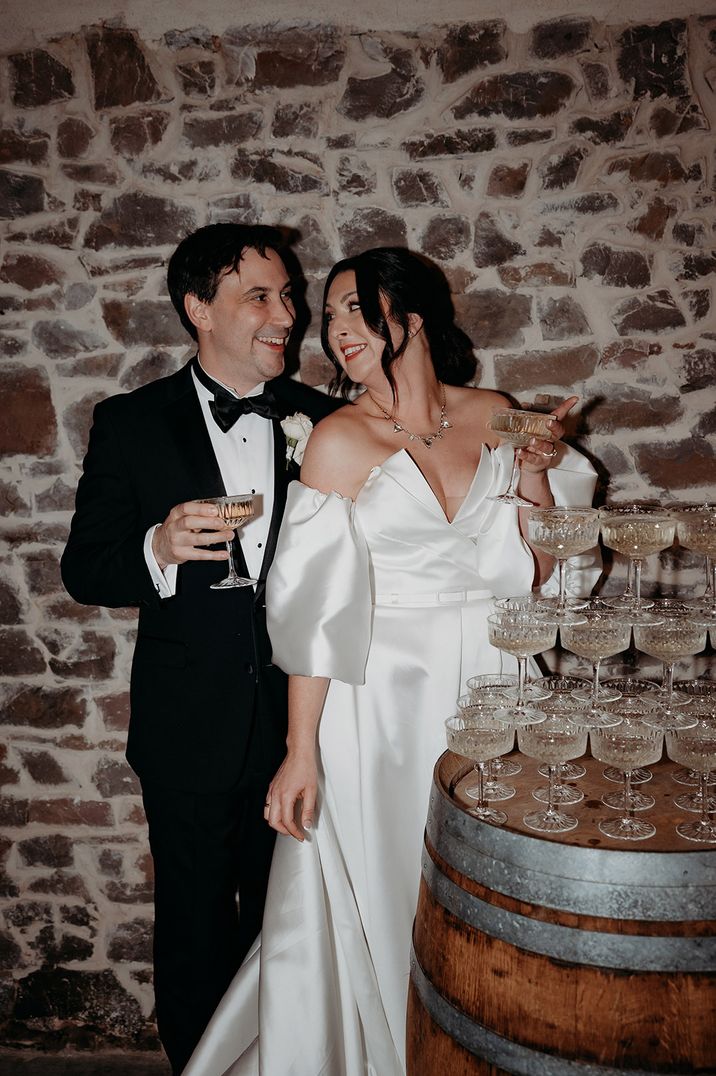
[565,180]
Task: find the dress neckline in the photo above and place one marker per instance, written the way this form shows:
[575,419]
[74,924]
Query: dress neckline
[417,470]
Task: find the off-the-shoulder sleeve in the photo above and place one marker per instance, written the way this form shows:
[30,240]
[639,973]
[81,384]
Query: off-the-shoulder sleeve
[318,591]
[572,480]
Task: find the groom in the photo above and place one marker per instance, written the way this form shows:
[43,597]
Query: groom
[208,709]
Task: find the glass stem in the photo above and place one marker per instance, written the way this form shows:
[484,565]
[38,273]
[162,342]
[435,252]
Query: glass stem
[522,675]
[595,682]
[232,570]
[712,562]
[515,476]
[668,683]
[637,581]
[552,775]
[629,589]
[704,791]
[562,603]
[480,767]
[628,802]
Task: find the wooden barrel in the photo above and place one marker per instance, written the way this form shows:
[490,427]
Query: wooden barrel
[563,954]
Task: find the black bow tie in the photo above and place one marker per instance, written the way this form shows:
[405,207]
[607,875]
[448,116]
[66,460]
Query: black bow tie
[227,408]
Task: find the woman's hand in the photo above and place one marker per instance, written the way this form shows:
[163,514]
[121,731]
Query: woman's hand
[539,454]
[296,779]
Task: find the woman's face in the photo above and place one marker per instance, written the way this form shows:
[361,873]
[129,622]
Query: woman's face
[357,348]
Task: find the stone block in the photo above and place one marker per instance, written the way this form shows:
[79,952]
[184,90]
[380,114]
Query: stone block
[560,37]
[143,321]
[698,301]
[133,135]
[54,850]
[459,142]
[685,116]
[371,227]
[59,233]
[13,815]
[38,78]
[693,266]
[29,271]
[263,166]
[59,339]
[197,78]
[27,913]
[355,176]
[587,204]
[295,121]
[281,56]
[44,708]
[196,37]
[131,942]
[312,249]
[652,222]
[445,236]
[508,181]
[90,1004]
[203,131]
[120,71]
[596,79]
[42,572]
[560,170]
[536,275]
[470,46]
[10,953]
[418,186]
[70,812]
[20,195]
[687,234]
[663,169]
[113,777]
[698,370]
[22,145]
[562,368]
[604,130]
[494,318]
[96,175]
[652,59]
[10,607]
[492,246]
[27,419]
[675,465]
[149,367]
[74,137]
[53,948]
[655,312]
[616,268]
[524,95]
[43,767]
[140,220]
[385,95]
[526,136]
[562,318]
[91,657]
[627,407]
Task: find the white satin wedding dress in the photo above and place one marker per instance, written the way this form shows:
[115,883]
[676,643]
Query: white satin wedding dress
[389,599]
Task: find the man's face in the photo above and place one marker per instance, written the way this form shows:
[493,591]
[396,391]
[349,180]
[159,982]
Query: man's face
[243,332]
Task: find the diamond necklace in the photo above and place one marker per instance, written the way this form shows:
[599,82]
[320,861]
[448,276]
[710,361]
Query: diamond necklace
[428,438]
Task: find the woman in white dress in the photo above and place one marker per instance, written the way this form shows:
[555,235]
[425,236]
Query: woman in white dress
[378,597]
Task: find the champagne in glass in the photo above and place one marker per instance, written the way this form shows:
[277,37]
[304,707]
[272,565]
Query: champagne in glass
[495,789]
[563,533]
[636,531]
[696,530]
[627,746]
[522,635]
[480,738]
[563,702]
[696,748]
[631,708]
[488,689]
[518,428]
[703,691]
[554,741]
[235,512]
[670,634]
[599,636]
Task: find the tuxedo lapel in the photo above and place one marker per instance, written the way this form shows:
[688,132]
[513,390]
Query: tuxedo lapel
[280,485]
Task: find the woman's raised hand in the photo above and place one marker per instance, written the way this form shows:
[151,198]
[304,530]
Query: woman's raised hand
[539,454]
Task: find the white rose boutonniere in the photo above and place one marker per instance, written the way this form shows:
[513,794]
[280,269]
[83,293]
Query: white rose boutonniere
[297,429]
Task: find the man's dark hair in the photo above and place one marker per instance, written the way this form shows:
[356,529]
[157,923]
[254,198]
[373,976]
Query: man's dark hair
[407,284]
[201,260]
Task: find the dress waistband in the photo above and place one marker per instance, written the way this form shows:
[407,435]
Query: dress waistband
[441,597]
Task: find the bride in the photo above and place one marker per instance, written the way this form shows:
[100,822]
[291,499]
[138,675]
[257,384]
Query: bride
[389,554]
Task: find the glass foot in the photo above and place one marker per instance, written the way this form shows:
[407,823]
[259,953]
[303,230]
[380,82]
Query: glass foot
[550,821]
[637,801]
[698,831]
[604,694]
[531,693]
[678,698]
[512,498]
[567,771]
[229,583]
[682,776]
[628,603]
[488,814]
[627,829]
[668,720]
[518,716]
[691,801]
[505,767]
[493,791]
[560,794]
[594,719]
[639,776]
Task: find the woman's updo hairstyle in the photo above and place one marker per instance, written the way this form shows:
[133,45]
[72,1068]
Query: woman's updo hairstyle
[408,284]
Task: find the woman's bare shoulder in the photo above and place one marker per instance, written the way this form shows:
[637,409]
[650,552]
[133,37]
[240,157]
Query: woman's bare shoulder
[338,453]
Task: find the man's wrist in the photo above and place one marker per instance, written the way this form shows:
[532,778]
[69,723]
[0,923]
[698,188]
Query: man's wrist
[161,563]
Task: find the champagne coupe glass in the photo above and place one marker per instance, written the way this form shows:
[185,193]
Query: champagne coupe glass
[489,688]
[523,635]
[563,533]
[600,635]
[669,635]
[696,529]
[636,531]
[494,788]
[631,708]
[627,746]
[562,701]
[553,741]
[525,603]
[235,512]
[480,738]
[704,691]
[696,748]
[518,427]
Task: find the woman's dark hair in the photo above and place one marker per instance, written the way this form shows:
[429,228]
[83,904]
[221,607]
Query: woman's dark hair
[407,284]
[201,260]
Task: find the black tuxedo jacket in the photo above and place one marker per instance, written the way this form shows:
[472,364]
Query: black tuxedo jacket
[202,669]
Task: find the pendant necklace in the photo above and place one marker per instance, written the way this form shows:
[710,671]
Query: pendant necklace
[427,439]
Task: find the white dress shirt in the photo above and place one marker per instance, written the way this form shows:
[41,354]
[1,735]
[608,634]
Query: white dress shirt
[245,457]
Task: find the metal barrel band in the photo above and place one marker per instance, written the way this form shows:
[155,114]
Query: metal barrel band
[493,1048]
[596,948]
[586,881]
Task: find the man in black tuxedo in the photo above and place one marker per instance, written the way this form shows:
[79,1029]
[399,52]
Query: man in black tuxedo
[208,709]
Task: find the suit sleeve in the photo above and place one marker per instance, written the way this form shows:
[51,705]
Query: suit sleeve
[103,562]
